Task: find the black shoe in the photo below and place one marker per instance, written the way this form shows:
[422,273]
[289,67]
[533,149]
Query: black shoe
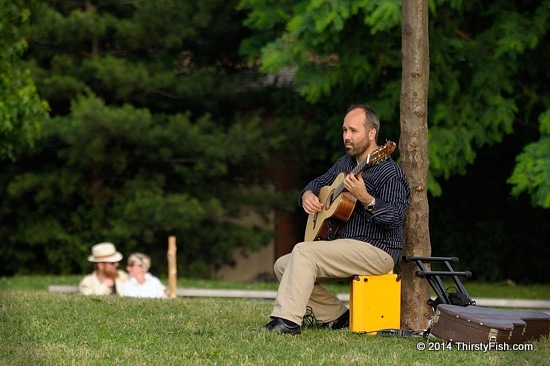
[283,326]
[340,323]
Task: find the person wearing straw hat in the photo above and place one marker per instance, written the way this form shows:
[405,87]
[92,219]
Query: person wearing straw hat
[106,279]
[141,283]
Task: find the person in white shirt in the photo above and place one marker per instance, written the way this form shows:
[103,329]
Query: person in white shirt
[142,283]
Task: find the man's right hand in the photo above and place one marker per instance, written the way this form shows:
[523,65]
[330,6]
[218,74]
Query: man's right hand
[311,203]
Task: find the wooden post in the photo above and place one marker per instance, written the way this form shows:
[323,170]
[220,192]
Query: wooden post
[172,267]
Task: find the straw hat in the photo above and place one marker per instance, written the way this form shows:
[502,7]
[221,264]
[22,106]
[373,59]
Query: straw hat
[104,252]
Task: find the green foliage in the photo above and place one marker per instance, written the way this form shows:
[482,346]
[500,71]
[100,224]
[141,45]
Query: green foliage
[315,35]
[155,133]
[168,56]
[124,175]
[488,81]
[485,69]
[532,171]
[496,236]
[152,134]
[21,108]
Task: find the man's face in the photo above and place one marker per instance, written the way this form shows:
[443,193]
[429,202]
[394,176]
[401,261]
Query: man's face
[355,134]
[108,269]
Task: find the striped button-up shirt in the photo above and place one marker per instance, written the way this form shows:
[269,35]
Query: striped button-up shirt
[387,183]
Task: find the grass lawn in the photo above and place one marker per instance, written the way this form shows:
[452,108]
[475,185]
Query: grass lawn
[41,328]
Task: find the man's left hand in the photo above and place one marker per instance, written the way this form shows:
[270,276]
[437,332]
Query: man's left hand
[356,186]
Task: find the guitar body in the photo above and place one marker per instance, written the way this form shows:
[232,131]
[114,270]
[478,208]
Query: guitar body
[338,204]
[338,208]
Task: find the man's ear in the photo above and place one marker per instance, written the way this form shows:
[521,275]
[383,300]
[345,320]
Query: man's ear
[372,134]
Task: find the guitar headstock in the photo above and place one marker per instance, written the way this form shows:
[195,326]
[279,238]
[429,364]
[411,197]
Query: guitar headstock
[375,157]
[382,152]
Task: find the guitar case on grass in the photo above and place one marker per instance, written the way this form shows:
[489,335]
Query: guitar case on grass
[475,324]
[457,319]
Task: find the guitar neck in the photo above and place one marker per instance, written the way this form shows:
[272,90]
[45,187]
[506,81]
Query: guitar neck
[356,171]
[378,155]
[361,166]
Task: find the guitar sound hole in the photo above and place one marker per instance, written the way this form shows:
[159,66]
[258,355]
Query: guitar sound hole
[329,201]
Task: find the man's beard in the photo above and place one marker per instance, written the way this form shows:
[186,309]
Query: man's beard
[357,151]
[110,272]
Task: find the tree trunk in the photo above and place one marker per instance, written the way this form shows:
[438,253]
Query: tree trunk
[413,146]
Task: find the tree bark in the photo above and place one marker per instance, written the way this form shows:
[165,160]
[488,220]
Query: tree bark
[413,146]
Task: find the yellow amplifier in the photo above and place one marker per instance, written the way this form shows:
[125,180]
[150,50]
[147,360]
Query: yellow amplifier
[375,303]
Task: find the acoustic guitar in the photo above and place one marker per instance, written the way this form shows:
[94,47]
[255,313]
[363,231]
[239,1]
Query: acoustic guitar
[338,204]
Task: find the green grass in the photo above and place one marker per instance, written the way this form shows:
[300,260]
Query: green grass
[41,328]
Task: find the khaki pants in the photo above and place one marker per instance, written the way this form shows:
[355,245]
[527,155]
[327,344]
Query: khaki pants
[301,273]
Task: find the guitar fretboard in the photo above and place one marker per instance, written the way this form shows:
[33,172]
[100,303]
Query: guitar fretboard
[375,157]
